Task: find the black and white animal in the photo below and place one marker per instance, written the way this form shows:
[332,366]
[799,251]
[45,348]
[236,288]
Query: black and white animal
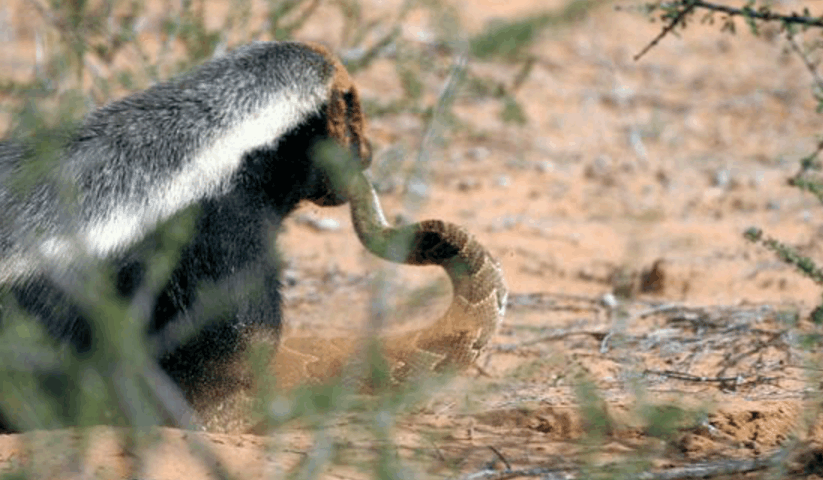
[234,139]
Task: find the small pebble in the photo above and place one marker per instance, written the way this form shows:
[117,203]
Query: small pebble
[545,166]
[290,278]
[504,223]
[756,179]
[417,188]
[425,36]
[466,184]
[608,300]
[722,178]
[806,216]
[599,168]
[320,224]
[327,224]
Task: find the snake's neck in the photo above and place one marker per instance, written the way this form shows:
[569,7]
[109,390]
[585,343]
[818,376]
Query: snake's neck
[474,273]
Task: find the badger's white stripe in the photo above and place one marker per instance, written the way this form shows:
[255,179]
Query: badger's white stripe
[13,267]
[56,247]
[205,175]
[54,251]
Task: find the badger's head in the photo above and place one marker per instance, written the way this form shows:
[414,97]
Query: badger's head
[348,148]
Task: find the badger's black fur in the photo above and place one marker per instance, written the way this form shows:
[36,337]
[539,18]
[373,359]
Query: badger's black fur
[229,145]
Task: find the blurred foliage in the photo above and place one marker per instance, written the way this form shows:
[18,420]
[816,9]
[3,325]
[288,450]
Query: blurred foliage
[508,40]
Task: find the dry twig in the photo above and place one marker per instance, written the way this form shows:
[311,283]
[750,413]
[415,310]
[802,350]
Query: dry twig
[688,377]
[764,15]
[699,470]
[667,29]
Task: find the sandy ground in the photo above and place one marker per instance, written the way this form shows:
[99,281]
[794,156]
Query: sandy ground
[634,178]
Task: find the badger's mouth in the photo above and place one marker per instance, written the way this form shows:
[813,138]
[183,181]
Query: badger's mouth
[330,199]
[338,167]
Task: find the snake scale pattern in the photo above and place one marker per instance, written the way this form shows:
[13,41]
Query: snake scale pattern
[452,342]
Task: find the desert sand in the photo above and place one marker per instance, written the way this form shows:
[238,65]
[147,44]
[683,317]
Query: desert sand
[617,211]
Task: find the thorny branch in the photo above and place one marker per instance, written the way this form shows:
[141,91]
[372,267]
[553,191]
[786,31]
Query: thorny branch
[808,164]
[796,47]
[785,253]
[761,14]
[668,28]
[684,7]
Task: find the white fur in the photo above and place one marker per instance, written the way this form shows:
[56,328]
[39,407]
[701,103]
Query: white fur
[55,248]
[13,267]
[207,174]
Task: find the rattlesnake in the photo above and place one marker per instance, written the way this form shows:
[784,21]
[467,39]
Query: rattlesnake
[452,342]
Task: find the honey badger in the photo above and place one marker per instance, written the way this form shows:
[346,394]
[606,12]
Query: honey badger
[235,140]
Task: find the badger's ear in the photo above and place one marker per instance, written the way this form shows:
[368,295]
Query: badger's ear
[356,127]
[344,114]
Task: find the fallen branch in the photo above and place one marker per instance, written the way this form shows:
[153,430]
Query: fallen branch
[561,335]
[700,470]
[687,377]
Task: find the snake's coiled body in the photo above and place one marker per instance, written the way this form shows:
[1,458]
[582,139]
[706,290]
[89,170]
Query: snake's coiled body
[452,342]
